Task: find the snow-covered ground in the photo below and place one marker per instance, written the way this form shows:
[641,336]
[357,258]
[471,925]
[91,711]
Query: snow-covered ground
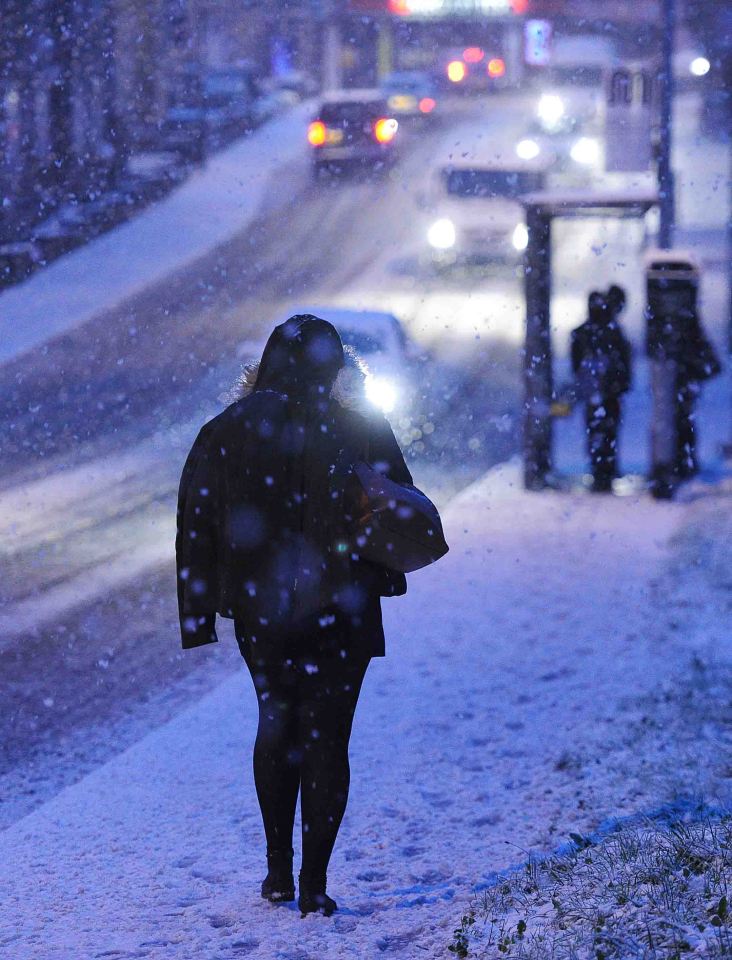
[516,705]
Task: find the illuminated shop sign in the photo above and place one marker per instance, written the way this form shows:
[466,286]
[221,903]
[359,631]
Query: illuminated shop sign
[455,8]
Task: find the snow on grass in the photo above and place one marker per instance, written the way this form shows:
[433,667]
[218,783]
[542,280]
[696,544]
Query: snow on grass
[657,890]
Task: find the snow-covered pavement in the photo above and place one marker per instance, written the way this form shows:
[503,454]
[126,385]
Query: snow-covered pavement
[511,709]
[214,204]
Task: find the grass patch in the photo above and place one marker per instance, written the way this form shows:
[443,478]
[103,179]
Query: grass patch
[659,891]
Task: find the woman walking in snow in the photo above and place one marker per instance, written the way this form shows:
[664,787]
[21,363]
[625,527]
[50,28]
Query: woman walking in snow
[262,538]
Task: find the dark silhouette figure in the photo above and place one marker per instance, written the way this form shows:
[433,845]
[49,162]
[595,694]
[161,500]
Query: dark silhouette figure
[696,362]
[601,363]
[263,539]
[677,338]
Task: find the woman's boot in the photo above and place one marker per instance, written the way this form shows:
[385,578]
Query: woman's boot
[313,898]
[279,886]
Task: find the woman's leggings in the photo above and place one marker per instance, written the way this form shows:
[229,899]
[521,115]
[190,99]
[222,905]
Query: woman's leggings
[305,716]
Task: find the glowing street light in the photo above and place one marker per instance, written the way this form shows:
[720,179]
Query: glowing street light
[700,66]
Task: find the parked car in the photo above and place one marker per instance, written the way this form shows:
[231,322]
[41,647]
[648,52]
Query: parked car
[410,94]
[352,127]
[474,214]
[291,87]
[210,107]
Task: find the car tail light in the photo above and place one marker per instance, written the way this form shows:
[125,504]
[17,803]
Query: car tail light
[316,133]
[473,55]
[496,67]
[427,105]
[385,129]
[456,71]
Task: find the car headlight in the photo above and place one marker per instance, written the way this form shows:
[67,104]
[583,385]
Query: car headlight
[520,237]
[586,151]
[527,149]
[699,67]
[441,235]
[550,109]
[382,393]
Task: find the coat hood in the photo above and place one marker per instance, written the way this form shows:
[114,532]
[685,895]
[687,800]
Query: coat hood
[303,356]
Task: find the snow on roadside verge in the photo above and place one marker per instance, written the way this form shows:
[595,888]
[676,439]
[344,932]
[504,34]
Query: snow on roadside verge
[212,205]
[657,881]
[656,888]
[506,716]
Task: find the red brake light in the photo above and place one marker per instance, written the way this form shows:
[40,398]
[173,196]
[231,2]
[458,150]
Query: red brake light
[427,105]
[385,129]
[496,67]
[473,55]
[456,71]
[316,133]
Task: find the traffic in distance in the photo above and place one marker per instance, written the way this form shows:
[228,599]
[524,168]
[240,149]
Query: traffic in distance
[466,195]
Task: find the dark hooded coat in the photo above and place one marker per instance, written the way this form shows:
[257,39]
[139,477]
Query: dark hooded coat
[601,357]
[263,503]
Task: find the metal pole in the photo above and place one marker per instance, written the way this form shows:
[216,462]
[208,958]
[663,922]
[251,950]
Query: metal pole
[538,379]
[727,447]
[665,173]
[332,78]
[385,48]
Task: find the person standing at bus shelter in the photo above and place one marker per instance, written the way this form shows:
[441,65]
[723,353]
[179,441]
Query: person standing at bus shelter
[694,361]
[601,363]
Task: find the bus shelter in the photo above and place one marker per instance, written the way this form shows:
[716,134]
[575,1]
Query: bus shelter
[541,210]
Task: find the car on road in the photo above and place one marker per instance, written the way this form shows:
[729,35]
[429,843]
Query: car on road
[352,127]
[411,94]
[579,153]
[572,89]
[473,209]
[473,70]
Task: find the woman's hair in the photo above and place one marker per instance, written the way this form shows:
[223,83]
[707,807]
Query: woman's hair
[302,357]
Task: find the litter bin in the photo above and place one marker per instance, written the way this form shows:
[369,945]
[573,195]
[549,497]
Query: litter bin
[672,284]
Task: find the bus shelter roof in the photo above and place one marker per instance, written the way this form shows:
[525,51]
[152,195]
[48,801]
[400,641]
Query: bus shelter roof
[591,203]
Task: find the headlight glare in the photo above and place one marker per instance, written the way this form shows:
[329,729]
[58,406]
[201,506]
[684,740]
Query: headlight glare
[527,149]
[520,237]
[382,393]
[441,235]
[585,151]
[550,109]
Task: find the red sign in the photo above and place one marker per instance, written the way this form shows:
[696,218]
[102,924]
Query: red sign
[369,6]
[443,8]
